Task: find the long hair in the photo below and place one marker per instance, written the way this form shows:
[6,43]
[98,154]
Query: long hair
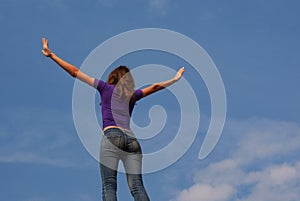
[123,81]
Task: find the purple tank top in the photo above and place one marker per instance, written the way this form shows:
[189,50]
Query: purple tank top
[115,112]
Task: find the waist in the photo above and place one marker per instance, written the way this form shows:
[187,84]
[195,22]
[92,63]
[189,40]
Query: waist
[118,127]
[115,123]
[113,130]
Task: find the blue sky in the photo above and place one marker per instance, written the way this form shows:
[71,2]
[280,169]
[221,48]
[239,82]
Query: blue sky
[255,45]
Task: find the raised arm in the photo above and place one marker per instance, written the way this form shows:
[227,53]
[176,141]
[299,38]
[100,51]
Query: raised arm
[72,70]
[161,85]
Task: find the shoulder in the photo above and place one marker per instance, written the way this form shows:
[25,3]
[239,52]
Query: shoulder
[100,84]
[138,94]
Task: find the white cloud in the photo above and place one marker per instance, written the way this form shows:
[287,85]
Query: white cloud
[262,164]
[227,171]
[205,192]
[277,182]
[262,139]
[274,175]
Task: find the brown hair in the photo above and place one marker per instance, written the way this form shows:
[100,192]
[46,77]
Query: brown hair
[123,81]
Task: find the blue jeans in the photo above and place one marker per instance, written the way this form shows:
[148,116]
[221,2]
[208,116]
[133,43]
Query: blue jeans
[121,145]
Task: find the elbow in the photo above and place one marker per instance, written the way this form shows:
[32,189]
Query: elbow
[74,73]
[157,87]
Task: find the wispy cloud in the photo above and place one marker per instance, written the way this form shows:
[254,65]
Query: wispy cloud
[76,196]
[160,7]
[43,136]
[38,199]
[108,3]
[86,197]
[261,165]
[35,158]
[156,7]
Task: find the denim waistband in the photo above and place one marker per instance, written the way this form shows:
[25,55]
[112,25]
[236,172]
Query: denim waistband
[114,132]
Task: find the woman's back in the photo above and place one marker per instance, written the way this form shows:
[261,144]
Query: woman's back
[116,111]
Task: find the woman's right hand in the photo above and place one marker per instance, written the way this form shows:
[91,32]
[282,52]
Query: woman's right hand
[46,51]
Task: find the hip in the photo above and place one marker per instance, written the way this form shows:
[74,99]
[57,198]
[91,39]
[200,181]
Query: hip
[116,138]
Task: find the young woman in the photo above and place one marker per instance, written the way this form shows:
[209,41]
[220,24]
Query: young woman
[118,97]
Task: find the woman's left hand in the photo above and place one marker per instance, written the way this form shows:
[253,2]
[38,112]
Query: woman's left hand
[179,74]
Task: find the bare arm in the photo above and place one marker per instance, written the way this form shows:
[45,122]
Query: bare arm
[69,68]
[161,85]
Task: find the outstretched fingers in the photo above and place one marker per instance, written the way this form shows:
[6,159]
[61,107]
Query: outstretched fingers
[181,70]
[179,73]
[46,51]
[45,43]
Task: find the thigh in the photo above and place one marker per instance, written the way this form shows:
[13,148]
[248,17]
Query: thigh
[109,177]
[132,159]
[132,163]
[109,153]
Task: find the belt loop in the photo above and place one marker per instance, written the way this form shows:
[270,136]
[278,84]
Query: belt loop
[125,139]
